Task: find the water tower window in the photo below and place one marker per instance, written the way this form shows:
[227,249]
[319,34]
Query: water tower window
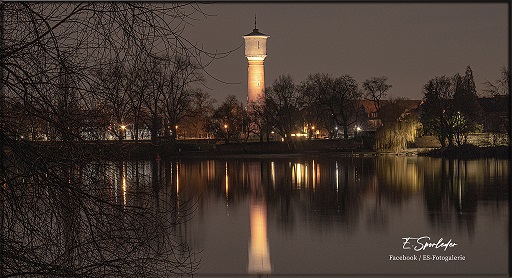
[258,83]
[258,44]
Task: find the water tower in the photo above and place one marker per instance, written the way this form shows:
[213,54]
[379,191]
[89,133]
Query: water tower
[255,52]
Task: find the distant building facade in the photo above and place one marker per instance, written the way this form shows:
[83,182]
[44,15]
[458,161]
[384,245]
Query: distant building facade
[372,118]
[495,113]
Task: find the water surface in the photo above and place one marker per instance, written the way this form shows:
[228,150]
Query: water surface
[314,216]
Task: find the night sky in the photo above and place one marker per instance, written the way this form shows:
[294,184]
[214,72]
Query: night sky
[409,43]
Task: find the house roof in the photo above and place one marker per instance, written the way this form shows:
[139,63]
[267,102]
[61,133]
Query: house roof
[369,105]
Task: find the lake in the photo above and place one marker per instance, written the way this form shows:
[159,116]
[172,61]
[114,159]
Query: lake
[292,216]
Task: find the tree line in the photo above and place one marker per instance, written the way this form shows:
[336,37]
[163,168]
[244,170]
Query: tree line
[450,110]
[321,102]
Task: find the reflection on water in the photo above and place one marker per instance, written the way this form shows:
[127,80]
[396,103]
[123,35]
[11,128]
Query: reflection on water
[327,209]
[259,258]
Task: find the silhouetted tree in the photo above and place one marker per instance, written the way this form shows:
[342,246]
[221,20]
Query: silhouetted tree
[180,73]
[153,90]
[227,121]
[500,93]
[137,76]
[314,112]
[500,86]
[438,109]
[451,108]
[466,106]
[282,103]
[113,89]
[55,219]
[257,114]
[202,110]
[340,100]
[375,89]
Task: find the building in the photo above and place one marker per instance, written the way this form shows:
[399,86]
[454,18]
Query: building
[373,120]
[495,113]
[255,52]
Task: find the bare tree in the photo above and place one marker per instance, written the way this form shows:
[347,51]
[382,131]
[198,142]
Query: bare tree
[137,77]
[341,102]
[153,90]
[311,92]
[180,74]
[257,114]
[282,101]
[376,89]
[500,86]
[202,110]
[57,215]
[113,91]
[227,121]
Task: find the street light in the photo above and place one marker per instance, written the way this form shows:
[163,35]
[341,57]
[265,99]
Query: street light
[227,134]
[358,129]
[123,131]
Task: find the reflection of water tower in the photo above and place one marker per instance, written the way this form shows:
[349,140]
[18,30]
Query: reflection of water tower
[255,51]
[259,256]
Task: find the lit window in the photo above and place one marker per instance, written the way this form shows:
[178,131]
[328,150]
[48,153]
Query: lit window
[258,47]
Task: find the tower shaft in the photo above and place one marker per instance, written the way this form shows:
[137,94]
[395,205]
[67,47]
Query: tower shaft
[255,80]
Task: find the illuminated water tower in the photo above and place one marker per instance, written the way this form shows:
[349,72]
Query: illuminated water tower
[255,52]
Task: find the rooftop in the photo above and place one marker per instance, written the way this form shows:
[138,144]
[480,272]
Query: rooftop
[256,32]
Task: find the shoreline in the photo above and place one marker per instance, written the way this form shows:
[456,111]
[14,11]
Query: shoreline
[315,148]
